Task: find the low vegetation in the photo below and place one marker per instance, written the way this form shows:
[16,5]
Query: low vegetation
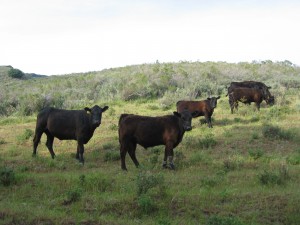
[245,170]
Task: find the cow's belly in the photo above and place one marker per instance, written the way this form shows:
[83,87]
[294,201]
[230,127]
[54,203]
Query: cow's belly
[150,143]
[63,133]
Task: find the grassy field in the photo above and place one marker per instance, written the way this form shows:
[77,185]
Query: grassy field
[245,170]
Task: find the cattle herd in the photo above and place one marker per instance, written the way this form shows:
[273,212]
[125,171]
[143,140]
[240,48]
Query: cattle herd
[146,131]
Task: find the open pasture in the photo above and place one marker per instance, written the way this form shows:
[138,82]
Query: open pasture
[238,172]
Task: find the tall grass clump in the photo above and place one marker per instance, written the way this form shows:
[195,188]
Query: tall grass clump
[256,153]
[208,141]
[275,132]
[271,177]
[7,176]
[28,133]
[224,220]
[145,183]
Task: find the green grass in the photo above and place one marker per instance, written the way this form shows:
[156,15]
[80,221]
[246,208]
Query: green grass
[230,174]
[245,170]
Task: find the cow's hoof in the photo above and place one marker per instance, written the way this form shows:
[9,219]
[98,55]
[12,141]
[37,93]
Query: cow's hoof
[165,166]
[172,166]
[33,154]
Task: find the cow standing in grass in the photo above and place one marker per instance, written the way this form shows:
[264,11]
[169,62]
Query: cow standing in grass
[152,131]
[250,84]
[246,96]
[76,125]
[199,108]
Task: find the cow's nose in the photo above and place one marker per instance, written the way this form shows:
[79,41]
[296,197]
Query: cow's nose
[188,128]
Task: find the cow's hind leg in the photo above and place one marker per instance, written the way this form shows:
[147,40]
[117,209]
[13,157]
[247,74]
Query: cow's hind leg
[49,143]
[131,151]
[123,151]
[36,140]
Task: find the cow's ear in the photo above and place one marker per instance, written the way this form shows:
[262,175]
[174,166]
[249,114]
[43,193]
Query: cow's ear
[177,114]
[218,97]
[87,109]
[269,87]
[105,108]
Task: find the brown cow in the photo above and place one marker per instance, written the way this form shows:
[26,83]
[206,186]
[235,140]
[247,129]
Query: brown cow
[250,84]
[199,108]
[246,96]
[152,131]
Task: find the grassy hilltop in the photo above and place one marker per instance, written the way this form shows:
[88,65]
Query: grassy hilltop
[245,170]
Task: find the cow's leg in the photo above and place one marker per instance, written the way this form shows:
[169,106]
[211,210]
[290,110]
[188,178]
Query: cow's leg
[208,120]
[236,105]
[231,103]
[169,155]
[131,152]
[49,143]
[36,141]
[257,105]
[80,151]
[123,151]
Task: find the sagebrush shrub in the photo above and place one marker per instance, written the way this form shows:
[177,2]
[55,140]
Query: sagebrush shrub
[275,132]
[145,181]
[271,177]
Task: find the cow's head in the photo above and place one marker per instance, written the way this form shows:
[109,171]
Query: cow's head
[186,118]
[96,114]
[213,101]
[270,100]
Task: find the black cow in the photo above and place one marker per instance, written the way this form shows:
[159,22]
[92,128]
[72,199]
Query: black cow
[199,108]
[152,131]
[76,125]
[248,95]
[250,84]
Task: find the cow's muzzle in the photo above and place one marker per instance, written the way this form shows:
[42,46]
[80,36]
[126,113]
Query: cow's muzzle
[188,128]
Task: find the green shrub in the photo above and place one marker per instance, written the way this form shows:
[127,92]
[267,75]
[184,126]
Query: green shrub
[109,146]
[73,195]
[28,133]
[145,181]
[208,141]
[223,220]
[111,156]
[2,141]
[7,176]
[96,183]
[275,132]
[233,163]
[146,204]
[294,159]
[272,177]
[15,73]
[256,153]
[254,136]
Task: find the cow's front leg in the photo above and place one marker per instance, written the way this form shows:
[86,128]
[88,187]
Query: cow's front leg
[208,120]
[80,151]
[169,156]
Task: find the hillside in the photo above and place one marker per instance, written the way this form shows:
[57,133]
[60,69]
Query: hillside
[164,81]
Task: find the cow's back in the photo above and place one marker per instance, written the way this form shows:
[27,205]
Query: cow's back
[247,94]
[68,124]
[147,131]
[197,108]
